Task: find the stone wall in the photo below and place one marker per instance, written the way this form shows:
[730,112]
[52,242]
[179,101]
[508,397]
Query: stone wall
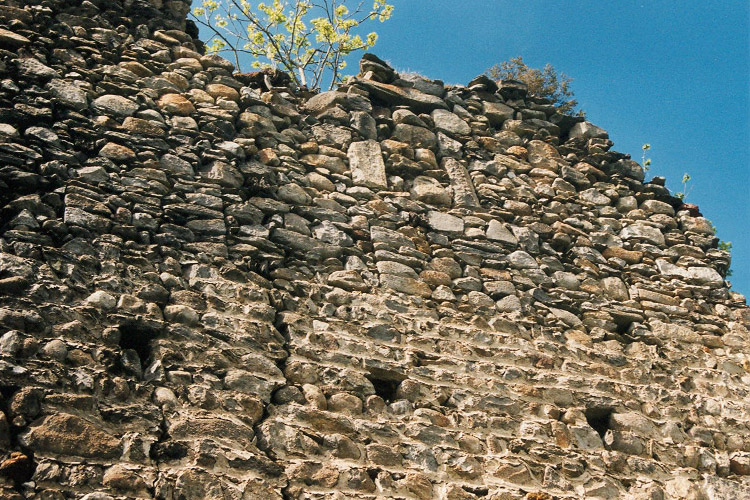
[210,288]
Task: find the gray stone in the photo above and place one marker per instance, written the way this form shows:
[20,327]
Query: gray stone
[643,232]
[415,136]
[413,98]
[429,190]
[450,123]
[464,194]
[365,124]
[396,268]
[115,105]
[405,285]
[511,303]
[497,231]
[366,163]
[521,260]
[68,94]
[447,223]
[102,300]
[497,112]
[587,130]
[329,233]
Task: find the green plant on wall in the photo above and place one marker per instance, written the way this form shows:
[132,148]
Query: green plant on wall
[646,161]
[685,191]
[307,39]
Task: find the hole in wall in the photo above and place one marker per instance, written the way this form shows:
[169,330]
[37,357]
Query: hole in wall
[385,388]
[598,418]
[137,336]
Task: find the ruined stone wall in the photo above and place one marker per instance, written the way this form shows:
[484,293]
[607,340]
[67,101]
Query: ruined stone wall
[212,289]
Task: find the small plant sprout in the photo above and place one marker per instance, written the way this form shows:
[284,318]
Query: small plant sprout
[685,191]
[645,161]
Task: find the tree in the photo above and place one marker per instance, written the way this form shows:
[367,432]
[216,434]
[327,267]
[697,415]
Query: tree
[541,82]
[308,39]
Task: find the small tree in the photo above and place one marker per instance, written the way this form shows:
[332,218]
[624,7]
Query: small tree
[305,38]
[541,82]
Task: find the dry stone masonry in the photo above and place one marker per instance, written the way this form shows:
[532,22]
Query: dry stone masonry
[214,286]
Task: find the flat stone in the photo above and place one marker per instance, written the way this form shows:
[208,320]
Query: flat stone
[497,231]
[366,164]
[400,96]
[440,221]
[223,174]
[405,285]
[31,67]
[643,232]
[511,303]
[10,40]
[102,300]
[65,434]
[415,136]
[348,280]
[115,105]
[117,152]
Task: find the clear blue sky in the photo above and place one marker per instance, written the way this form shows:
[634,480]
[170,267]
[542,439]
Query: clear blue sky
[675,74]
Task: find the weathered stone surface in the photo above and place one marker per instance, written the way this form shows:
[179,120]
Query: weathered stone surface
[366,163]
[216,285]
[115,105]
[464,194]
[440,221]
[394,95]
[66,434]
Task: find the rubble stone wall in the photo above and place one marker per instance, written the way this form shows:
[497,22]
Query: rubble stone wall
[215,289]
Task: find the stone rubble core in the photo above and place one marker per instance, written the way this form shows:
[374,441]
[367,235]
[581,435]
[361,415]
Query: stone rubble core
[213,289]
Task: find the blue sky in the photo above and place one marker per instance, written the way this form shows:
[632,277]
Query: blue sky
[672,74]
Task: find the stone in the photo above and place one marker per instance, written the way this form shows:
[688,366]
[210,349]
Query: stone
[497,231]
[416,100]
[587,130]
[447,223]
[223,174]
[10,40]
[497,113]
[450,123]
[115,105]
[429,190]
[31,67]
[66,434]
[366,163]
[117,152]
[643,232]
[521,260]
[175,104]
[348,280]
[511,303]
[292,193]
[414,135]
[102,300]
[405,285]
[464,194]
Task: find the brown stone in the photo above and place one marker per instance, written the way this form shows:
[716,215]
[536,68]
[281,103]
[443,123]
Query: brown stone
[117,152]
[65,434]
[176,105]
[217,90]
[142,127]
[629,256]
